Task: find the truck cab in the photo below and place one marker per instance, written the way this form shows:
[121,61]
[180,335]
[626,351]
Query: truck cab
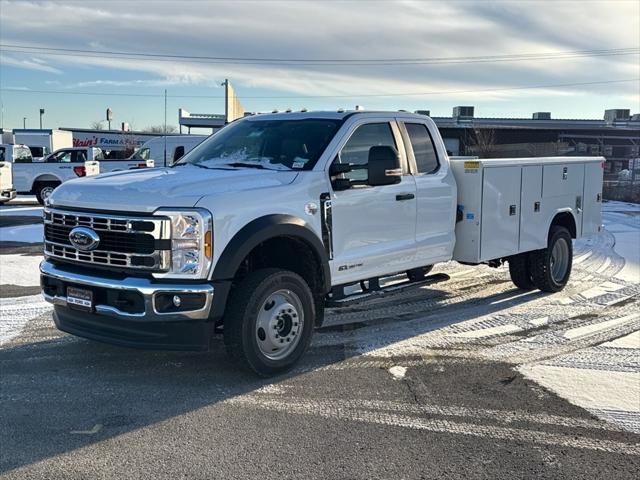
[259,228]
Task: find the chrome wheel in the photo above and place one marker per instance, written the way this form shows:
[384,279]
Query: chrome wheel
[279,324]
[559,260]
[46,192]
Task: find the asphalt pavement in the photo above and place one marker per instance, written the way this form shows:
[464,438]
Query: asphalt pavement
[425,383]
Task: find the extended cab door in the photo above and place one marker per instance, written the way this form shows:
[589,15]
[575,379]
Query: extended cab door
[436,192]
[373,228]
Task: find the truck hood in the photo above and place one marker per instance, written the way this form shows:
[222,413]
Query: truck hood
[145,190]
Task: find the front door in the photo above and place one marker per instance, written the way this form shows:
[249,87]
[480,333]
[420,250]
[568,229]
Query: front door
[373,228]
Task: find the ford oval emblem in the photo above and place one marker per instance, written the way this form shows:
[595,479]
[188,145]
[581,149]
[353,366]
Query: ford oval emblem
[84,238]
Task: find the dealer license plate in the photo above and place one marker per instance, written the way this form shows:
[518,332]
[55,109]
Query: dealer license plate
[80,298]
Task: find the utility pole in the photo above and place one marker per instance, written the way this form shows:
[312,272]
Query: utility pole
[41,114]
[165,127]
[24,122]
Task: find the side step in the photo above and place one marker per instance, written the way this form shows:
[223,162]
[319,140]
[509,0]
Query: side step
[372,289]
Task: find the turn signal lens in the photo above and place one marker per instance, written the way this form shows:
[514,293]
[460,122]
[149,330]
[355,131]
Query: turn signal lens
[208,244]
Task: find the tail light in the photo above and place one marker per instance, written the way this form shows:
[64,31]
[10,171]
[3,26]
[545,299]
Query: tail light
[80,171]
[142,165]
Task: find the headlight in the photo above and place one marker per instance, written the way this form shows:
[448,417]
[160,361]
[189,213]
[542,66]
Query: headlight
[191,243]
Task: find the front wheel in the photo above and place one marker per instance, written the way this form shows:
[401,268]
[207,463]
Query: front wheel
[551,267]
[269,320]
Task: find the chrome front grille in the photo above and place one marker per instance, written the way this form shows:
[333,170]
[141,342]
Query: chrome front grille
[125,242]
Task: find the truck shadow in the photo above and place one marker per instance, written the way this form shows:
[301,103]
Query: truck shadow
[66,393]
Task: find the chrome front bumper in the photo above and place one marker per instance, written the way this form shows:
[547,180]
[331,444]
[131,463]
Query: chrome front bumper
[147,288]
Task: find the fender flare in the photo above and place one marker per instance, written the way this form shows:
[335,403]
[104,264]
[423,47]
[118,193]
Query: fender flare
[262,229]
[561,211]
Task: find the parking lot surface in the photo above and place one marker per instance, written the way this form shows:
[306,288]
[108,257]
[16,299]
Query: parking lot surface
[468,377]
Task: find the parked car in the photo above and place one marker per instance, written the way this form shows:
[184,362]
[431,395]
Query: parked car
[41,178]
[255,231]
[8,153]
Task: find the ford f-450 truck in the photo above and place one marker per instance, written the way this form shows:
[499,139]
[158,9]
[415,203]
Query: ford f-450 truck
[255,231]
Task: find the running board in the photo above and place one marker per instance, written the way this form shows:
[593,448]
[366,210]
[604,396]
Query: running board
[337,298]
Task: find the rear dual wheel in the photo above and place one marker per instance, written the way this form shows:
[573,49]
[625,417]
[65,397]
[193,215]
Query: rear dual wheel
[548,269]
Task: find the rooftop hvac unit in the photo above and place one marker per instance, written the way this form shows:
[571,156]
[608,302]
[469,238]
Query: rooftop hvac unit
[463,112]
[617,114]
[542,116]
[423,112]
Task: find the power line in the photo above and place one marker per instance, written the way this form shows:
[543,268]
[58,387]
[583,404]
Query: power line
[353,95]
[71,52]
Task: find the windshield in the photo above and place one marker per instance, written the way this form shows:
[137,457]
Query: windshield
[141,154]
[268,144]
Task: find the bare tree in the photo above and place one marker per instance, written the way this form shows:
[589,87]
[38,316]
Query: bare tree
[483,142]
[160,129]
[97,125]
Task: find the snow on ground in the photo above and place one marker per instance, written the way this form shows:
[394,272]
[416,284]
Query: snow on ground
[16,312]
[20,270]
[23,233]
[623,220]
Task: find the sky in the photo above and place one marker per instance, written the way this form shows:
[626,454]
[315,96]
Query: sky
[328,54]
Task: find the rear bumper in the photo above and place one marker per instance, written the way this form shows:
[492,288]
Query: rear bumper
[128,312]
[6,195]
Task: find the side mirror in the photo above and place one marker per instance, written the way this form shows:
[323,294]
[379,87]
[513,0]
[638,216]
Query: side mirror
[339,168]
[384,166]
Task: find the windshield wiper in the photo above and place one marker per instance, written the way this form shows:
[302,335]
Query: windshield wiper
[246,165]
[198,165]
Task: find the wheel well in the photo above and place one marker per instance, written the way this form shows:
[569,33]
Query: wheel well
[44,179]
[289,253]
[566,220]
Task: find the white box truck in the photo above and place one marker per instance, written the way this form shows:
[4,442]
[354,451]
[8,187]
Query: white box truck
[43,142]
[256,230]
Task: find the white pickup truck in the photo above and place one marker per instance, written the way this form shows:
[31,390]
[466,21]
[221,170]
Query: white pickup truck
[41,178]
[255,231]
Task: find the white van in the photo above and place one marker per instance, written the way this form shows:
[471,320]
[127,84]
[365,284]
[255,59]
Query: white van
[177,146]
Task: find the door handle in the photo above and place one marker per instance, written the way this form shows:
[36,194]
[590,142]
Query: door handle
[405,196]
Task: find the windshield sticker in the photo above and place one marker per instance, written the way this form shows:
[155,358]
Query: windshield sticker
[299,162]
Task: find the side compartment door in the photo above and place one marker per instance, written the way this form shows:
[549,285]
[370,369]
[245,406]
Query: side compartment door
[592,212]
[533,227]
[373,228]
[500,212]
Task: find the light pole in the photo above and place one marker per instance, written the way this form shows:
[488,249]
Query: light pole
[24,122]
[41,114]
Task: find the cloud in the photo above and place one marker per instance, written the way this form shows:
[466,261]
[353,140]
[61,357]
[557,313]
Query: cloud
[350,29]
[28,64]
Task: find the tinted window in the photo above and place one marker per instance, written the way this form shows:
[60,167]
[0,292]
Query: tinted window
[270,144]
[81,156]
[356,150]
[423,148]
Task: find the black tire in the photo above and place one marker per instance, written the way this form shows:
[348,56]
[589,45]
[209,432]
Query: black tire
[520,271]
[551,274]
[247,302]
[418,274]
[43,190]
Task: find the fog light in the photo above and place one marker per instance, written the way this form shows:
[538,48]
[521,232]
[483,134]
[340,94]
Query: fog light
[177,301]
